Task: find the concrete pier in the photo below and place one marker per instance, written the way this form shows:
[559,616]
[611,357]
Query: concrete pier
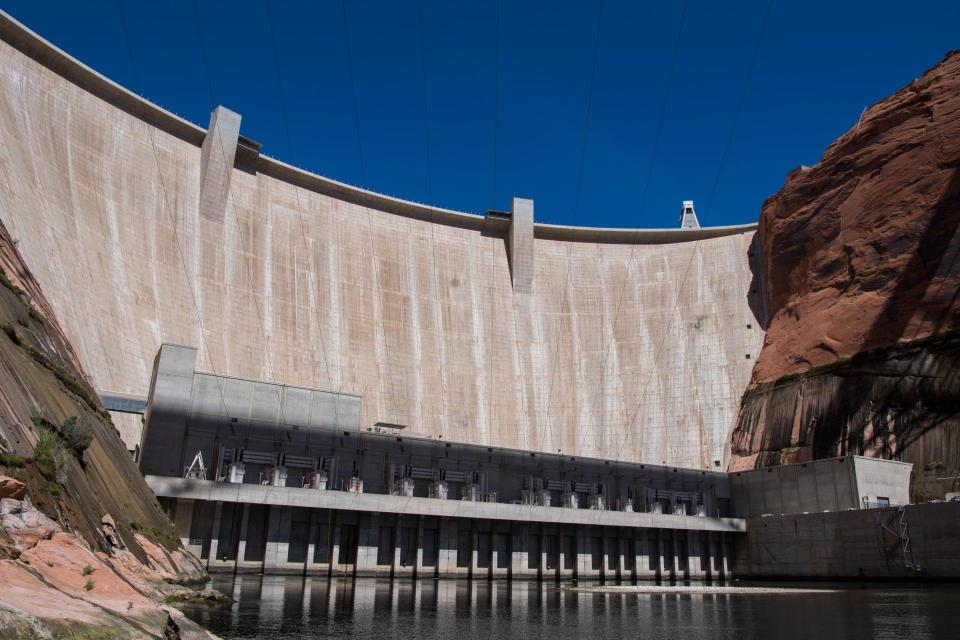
[413,547]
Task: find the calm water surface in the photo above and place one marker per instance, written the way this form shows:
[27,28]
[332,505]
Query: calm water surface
[284,608]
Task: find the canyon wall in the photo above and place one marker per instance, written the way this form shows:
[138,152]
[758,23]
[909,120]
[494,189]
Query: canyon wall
[85,549]
[862,352]
[633,345]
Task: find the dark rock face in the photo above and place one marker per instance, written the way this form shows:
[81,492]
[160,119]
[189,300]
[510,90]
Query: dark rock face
[85,549]
[861,280]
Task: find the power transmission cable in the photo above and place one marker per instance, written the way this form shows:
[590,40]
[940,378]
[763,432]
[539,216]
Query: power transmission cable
[327,544]
[170,214]
[496,106]
[247,255]
[743,93]
[311,272]
[739,109]
[493,201]
[433,245]
[643,200]
[236,216]
[576,210]
[524,423]
[363,180]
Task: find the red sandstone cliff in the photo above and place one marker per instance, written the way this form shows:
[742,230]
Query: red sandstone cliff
[861,281]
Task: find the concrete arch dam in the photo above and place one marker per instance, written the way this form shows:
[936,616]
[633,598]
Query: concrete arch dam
[143,228]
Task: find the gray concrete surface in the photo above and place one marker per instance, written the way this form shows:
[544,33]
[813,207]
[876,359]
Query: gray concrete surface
[210,491]
[834,484]
[273,538]
[312,283]
[853,544]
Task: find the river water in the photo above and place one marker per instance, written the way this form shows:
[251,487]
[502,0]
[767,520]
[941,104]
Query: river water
[284,608]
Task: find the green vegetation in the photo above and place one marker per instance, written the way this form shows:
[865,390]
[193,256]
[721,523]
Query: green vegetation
[87,570]
[54,489]
[12,460]
[88,586]
[48,457]
[77,434]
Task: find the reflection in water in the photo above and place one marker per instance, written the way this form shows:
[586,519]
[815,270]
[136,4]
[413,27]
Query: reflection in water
[282,608]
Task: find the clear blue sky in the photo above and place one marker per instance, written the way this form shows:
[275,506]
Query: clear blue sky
[818,65]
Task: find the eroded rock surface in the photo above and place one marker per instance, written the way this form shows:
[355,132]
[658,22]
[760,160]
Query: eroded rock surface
[12,488]
[85,550]
[59,585]
[861,277]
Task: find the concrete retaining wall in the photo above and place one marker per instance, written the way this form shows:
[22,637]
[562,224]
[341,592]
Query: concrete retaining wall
[852,544]
[835,484]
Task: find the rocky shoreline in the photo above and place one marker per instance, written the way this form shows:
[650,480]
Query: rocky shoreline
[56,586]
[86,552]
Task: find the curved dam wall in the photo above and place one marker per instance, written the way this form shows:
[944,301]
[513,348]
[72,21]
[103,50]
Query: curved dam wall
[143,229]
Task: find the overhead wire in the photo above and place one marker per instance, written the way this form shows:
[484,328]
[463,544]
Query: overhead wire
[311,267]
[173,219]
[247,255]
[243,247]
[493,204]
[496,106]
[576,210]
[729,141]
[363,181]
[643,200]
[444,417]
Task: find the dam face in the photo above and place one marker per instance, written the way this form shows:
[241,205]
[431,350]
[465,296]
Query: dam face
[143,229]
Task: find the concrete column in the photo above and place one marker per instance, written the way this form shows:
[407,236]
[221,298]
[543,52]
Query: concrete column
[368,544]
[570,553]
[311,541]
[278,539]
[447,541]
[215,534]
[183,520]
[518,557]
[563,553]
[622,573]
[418,562]
[474,550]
[666,557]
[542,572]
[679,558]
[495,556]
[328,538]
[216,163]
[642,561]
[335,567]
[522,245]
[695,555]
[724,556]
[584,553]
[244,523]
[715,560]
[396,569]
[604,560]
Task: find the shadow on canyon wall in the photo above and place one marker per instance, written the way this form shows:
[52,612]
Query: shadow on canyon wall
[756,296]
